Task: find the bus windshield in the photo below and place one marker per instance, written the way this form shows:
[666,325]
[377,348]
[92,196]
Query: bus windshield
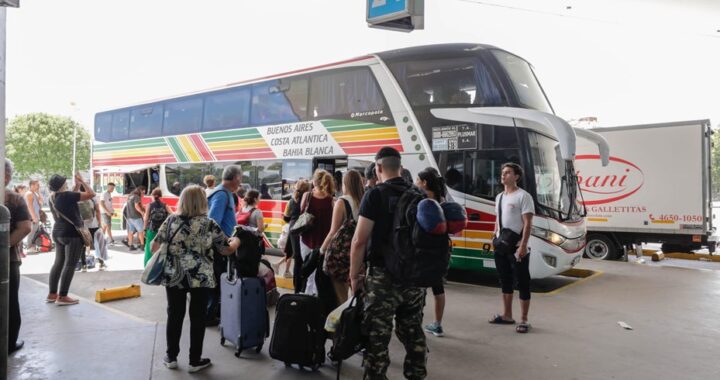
[556,185]
[469,81]
[462,81]
[523,80]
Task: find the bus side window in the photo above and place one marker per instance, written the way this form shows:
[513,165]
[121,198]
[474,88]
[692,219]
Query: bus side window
[346,93]
[293,171]
[452,167]
[146,121]
[227,110]
[120,125]
[279,101]
[103,127]
[183,116]
[269,179]
[484,168]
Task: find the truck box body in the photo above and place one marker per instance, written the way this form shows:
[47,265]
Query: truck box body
[656,187]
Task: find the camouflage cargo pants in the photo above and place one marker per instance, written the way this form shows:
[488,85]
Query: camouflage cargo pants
[383,301]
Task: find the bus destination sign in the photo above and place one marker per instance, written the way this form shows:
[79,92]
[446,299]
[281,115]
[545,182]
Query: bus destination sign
[454,137]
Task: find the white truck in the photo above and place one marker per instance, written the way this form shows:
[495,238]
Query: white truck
[656,188]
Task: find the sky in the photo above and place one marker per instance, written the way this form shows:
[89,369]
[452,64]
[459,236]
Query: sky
[625,62]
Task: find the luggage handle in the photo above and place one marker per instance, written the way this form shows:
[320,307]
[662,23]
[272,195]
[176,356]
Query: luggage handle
[232,276]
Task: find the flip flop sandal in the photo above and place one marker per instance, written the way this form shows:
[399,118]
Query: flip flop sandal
[497,319]
[523,328]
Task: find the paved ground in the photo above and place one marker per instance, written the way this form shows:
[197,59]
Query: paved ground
[672,310]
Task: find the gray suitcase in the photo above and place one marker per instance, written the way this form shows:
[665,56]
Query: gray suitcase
[244,318]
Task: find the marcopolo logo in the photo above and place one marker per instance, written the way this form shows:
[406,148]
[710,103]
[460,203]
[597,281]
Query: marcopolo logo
[600,185]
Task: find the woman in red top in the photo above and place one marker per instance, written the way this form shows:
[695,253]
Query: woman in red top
[319,203]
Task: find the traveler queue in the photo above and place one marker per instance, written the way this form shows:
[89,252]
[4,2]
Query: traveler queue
[362,221]
[354,244]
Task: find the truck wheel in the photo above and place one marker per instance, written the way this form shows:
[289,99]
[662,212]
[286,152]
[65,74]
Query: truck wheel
[600,247]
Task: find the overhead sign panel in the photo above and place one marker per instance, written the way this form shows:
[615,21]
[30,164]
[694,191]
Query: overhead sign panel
[400,15]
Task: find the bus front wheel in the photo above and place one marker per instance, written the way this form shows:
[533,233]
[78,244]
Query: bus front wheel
[601,247]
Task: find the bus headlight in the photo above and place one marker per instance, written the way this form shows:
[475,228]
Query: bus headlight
[571,245]
[550,236]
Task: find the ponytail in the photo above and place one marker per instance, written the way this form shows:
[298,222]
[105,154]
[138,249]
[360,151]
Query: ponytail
[435,182]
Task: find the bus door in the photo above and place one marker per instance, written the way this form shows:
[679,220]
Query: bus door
[153,179]
[331,164]
[336,166]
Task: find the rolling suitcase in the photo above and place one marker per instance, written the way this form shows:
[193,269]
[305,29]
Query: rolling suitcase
[298,334]
[244,318]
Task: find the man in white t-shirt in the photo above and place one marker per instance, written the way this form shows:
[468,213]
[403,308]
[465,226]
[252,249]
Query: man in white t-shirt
[106,211]
[517,208]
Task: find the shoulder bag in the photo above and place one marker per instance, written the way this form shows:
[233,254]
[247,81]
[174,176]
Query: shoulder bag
[305,221]
[82,230]
[155,268]
[507,239]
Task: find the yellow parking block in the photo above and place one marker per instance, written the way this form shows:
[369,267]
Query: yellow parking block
[684,256]
[122,292]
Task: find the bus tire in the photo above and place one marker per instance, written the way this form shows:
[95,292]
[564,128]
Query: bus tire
[601,247]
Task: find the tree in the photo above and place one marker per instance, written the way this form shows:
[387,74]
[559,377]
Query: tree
[42,144]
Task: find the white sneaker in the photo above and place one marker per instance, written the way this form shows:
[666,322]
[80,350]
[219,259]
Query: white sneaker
[170,363]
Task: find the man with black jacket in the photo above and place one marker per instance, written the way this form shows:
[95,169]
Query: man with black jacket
[383,298]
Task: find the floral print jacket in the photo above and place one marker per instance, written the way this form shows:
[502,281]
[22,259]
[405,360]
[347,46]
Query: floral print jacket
[191,250]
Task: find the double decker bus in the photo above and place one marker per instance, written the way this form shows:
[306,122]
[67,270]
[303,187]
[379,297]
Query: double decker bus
[464,109]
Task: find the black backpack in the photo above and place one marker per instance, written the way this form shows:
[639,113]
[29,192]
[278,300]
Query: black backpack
[417,258]
[157,217]
[248,255]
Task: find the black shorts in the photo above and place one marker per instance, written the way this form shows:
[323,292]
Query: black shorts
[438,289]
[512,272]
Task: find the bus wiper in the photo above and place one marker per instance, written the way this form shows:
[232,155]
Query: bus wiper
[582,201]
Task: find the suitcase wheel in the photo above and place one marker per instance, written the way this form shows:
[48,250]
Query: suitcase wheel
[222,341]
[237,353]
[258,348]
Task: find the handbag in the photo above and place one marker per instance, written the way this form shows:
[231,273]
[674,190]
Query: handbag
[155,268]
[305,221]
[82,230]
[349,337]
[337,255]
[507,239]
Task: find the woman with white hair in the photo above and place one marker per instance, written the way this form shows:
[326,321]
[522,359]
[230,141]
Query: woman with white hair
[191,239]
[69,244]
